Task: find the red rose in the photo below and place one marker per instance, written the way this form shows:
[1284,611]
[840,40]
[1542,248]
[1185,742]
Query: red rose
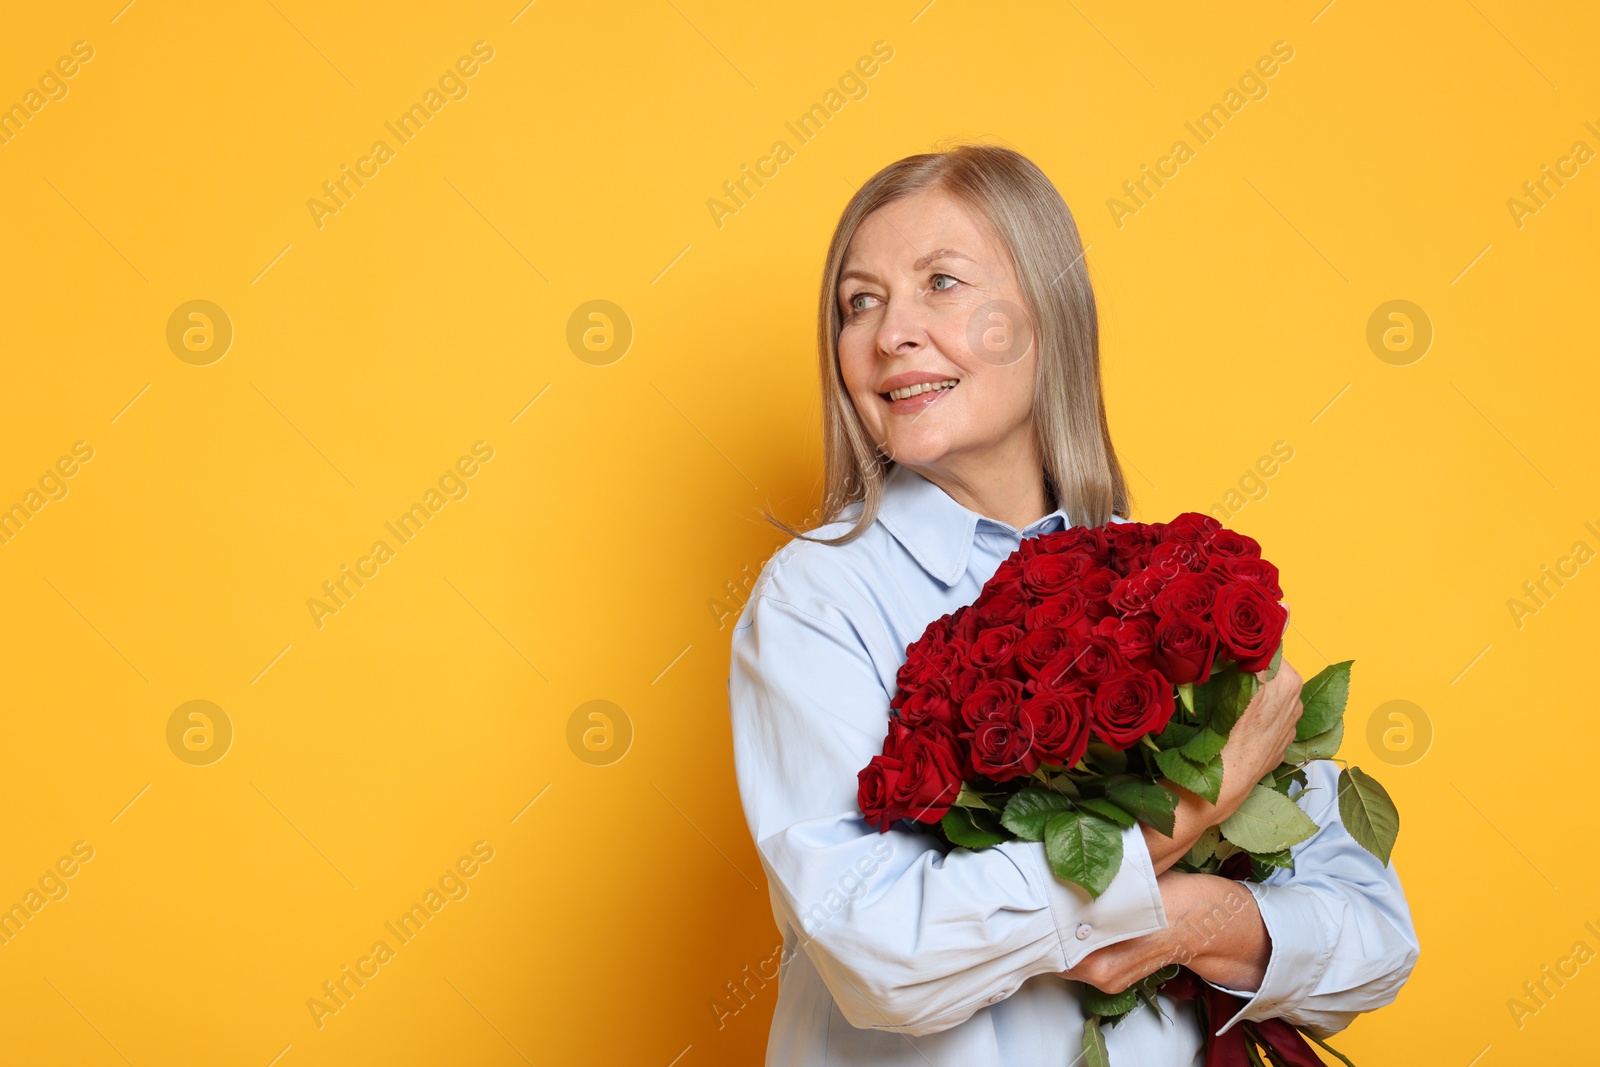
[915,672]
[1088,659]
[962,684]
[1131,704]
[930,777]
[935,660]
[1186,646]
[1058,722]
[927,664]
[1129,545]
[1135,637]
[1044,576]
[1248,569]
[1001,749]
[1009,572]
[1065,610]
[1000,606]
[894,742]
[996,698]
[992,653]
[1040,647]
[1190,526]
[1097,584]
[1173,558]
[1249,624]
[876,785]
[963,624]
[1188,594]
[1224,542]
[1092,543]
[1138,591]
[931,703]
[1075,539]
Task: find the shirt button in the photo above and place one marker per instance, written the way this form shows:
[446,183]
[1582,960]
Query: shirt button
[997,998]
[1084,930]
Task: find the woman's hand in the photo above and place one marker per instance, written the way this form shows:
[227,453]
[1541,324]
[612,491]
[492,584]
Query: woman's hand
[1257,741]
[1213,927]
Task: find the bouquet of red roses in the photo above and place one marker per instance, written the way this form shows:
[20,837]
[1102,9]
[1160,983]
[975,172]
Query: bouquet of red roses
[1096,664]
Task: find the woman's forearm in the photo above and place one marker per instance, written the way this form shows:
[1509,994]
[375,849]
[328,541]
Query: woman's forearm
[1213,927]
[1194,813]
[1224,941]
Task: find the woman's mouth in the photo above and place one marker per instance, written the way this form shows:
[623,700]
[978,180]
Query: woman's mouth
[915,398]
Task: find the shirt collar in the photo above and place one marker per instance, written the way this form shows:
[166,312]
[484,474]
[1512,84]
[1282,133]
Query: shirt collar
[935,529]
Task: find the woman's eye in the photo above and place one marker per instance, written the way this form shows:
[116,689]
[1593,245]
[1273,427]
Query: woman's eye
[858,302]
[942,288]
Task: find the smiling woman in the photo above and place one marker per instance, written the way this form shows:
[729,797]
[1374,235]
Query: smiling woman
[962,415]
[927,285]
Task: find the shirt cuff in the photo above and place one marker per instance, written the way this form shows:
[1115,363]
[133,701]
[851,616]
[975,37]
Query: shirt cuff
[1301,949]
[1130,907]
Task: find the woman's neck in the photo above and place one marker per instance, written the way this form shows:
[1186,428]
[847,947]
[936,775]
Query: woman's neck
[1014,494]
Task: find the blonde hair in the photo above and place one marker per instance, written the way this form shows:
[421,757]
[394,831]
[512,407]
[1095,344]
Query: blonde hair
[1034,226]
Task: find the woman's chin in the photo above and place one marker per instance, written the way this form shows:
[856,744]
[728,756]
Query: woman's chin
[917,452]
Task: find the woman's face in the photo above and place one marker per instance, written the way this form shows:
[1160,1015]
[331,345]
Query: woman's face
[928,298]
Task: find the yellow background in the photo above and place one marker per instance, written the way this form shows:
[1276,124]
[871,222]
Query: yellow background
[590,556]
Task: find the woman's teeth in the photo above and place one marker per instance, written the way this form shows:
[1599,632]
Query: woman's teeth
[925,387]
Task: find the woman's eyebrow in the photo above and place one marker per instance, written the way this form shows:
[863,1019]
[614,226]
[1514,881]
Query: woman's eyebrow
[938,254]
[921,264]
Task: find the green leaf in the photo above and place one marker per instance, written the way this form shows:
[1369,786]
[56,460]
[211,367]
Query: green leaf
[1261,867]
[969,799]
[1176,734]
[1061,783]
[1202,779]
[1107,810]
[1107,759]
[1267,821]
[1083,848]
[1277,661]
[1096,1002]
[1205,698]
[1283,778]
[1186,694]
[1029,809]
[1284,859]
[969,828]
[1095,1053]
[1235,690]
[1323,699]
[1205,847]
[1204,746]
[1146,987]
[1154,805]
[1368,813]
[1323,746]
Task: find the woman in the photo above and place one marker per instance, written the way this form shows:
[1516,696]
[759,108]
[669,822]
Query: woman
[962,412]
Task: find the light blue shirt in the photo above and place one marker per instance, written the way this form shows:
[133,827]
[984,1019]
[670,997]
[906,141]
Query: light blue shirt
[899,949]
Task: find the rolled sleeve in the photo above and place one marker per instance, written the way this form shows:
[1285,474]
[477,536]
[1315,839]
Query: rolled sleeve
[1301,946]
[1342,937]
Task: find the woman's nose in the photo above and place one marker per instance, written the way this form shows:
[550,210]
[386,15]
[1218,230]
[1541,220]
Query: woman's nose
[902,330]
